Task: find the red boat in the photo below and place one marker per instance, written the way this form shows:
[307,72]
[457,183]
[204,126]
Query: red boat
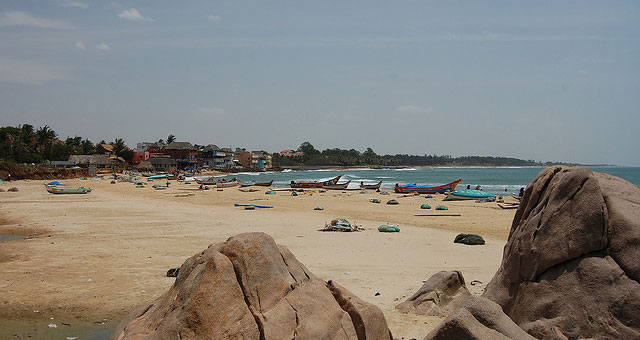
[314,184]
[423,189]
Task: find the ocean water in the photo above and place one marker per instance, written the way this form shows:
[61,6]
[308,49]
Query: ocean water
[493,179]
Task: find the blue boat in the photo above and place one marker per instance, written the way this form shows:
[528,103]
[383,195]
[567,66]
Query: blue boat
[468,194]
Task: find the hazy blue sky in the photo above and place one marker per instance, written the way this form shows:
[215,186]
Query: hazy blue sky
[543,80]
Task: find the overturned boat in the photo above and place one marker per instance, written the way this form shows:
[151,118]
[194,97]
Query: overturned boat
[57,190]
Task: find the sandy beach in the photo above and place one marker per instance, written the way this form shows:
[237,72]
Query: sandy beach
[95,257]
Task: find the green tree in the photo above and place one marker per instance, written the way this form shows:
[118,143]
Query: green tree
[45,137]
[87,147]
[171,139]
[308,149]
[118,146]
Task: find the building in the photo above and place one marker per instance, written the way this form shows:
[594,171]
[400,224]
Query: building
[99,161]
[291,153]
[152,148]
[183,153]
[213,157]
[163,163]
[255,160]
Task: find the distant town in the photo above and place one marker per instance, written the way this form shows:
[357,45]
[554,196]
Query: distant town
[26,145]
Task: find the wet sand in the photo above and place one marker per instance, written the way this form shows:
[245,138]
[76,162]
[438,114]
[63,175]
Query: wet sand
[95,257]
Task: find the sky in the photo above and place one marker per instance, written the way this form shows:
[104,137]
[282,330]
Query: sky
[542,80]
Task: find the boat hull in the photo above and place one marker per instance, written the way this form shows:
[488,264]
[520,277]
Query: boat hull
[371,186]
[427,190]
[313,184]
[59,191]
[227,184]
[342,186]
[468,194]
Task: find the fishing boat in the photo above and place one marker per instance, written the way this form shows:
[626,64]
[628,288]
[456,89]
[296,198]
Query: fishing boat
[154,177]
[227,184]
[260,184]
[370,186]
[337,186]
[468,194]
[423,189]
[207,181]
[315,184]
[57,190]
[264,184]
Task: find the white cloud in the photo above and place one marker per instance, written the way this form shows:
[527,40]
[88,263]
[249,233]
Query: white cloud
[103,47]
[80,45]
[76,4]
[213,18]
[412,109]
[20,18]
[210,112]
[583,72]
[24,72]
[133,15]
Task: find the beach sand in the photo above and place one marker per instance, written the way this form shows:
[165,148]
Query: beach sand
[95,257]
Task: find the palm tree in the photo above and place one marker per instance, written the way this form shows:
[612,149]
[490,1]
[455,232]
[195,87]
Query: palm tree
[171,139]
[44,140]
[118,146]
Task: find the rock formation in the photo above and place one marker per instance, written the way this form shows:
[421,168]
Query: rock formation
[570,266]
[250,288]
[442,293]
[478,319]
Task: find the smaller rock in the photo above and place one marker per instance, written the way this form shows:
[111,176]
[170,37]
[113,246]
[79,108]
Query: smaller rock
[441,294]
[173,272]
[469,239]
[319,208]
[392,202]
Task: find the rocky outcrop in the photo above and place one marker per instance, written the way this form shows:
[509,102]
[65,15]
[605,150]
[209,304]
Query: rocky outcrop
[250,288]
[478,319]
[442,293]
[570,265]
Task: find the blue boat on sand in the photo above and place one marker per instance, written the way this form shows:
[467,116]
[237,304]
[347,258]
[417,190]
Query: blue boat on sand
[468,194]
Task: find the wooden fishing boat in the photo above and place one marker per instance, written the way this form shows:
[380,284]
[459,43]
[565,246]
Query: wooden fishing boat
[370,186]
[228,184]
[337,186]
[263,184]
[315,184]
[57,190]
[260,184]
[423,189]
[468,194]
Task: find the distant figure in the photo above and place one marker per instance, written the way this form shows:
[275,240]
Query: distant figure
[396,184]
[361,183]
[468,186]
[505,189]
[201,187]
[521,192]
[168,184]
[478,187]
[9,178]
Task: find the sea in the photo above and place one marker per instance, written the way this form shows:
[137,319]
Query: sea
[507,180]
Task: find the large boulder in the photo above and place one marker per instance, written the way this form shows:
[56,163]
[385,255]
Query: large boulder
[478,319]
[250,288]
[570,265]
[442,293]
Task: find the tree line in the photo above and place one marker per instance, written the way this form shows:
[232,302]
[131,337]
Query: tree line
[26,144]
[339,157]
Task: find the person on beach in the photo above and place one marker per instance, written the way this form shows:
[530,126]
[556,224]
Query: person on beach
[9,178]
